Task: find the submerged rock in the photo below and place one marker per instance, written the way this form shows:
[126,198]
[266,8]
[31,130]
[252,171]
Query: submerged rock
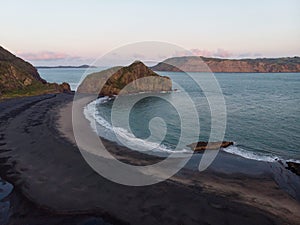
[203,145]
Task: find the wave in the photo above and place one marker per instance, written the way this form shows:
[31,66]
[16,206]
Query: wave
[249,155]
[91,114]
[124,136]
[235,150]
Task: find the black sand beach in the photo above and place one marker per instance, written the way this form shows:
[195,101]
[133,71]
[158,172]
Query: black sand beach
[54,185]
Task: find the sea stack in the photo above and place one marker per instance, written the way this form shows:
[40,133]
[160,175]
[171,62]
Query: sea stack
[117,78]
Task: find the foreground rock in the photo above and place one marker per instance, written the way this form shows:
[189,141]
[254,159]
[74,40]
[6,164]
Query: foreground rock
[294,167]
[114,81]
[203,145]
[259,65]
[20,78]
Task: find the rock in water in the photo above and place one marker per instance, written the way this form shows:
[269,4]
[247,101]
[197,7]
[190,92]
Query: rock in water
[202,145]
[125,80]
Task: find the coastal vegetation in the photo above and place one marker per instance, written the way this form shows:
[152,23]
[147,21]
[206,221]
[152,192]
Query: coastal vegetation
[19,78]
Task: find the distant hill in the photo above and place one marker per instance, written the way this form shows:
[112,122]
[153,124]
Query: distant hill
[259,65]
[117,78]
[20,78]
[66,67]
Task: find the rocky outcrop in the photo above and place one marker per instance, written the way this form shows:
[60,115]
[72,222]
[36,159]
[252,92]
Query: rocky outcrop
[294,167]
[259,65]
[93,82]
[18,78]
[60,88]
[134,78]
[202,145]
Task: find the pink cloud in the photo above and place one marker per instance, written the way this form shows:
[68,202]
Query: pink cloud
[217,53]
[44,55]
[202,52]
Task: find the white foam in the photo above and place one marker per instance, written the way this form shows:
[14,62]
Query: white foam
[91,114]
[293,160]
[235,150]
[99,101]
[249,155]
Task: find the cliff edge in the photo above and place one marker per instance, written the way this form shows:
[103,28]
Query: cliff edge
[20,78]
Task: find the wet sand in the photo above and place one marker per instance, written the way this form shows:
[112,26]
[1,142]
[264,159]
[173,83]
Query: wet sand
[39,157]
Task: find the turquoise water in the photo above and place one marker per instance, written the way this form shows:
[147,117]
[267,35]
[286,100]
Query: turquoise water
[262,113]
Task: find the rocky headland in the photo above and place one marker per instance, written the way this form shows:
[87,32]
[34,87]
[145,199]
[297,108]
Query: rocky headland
[19,78]
[204,64]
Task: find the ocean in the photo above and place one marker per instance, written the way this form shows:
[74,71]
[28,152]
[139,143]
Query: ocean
[262,113]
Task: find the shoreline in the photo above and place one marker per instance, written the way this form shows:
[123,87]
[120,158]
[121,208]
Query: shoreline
[230,164]
[49,170]
[233,149]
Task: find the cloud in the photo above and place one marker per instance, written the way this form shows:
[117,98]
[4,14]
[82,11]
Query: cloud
[44,56]
[208,53]
[219,53]
[49,58]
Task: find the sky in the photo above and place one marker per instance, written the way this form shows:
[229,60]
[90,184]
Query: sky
[60,32]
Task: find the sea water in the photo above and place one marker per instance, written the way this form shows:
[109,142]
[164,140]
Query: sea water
[262,113]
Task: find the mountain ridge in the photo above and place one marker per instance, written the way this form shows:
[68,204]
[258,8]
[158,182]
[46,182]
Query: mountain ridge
[206,64]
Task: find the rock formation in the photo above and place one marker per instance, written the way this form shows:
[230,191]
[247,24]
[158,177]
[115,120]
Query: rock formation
[202,145]
[294,167]
[259,65]
[134,78]
[20,78]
